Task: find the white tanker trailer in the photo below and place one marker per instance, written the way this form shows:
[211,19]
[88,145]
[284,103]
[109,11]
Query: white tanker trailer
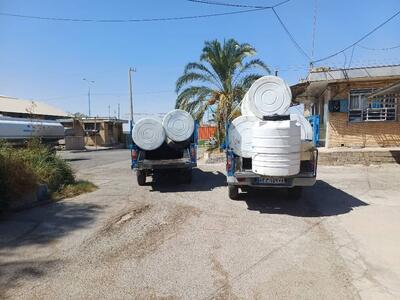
[17,130]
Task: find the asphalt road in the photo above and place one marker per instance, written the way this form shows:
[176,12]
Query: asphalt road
[164,240]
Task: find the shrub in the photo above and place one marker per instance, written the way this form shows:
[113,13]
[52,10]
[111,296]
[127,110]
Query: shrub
[21,169]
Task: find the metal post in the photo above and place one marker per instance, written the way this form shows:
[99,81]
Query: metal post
[88,83]
[130,92]
[89,100]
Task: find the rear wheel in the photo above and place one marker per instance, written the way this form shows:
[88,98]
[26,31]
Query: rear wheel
[141,178]
[233,192]
[294,193]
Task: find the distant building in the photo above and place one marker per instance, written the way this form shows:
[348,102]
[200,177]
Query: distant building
[93,131]
[32,109]
[358,107]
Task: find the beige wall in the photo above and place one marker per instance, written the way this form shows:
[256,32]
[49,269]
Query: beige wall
[340,132]
[363,134]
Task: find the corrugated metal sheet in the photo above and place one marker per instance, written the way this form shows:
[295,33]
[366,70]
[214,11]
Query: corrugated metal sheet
[362,72]
[206,132]
[21,106]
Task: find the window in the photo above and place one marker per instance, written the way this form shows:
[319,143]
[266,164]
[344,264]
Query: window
[91,126]
[362,108]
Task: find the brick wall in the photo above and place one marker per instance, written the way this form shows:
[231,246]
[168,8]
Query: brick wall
[364,134]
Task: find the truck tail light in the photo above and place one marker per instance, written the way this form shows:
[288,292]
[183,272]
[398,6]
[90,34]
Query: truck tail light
[230,163]
[134,154]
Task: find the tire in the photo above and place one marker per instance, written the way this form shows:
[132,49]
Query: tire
[186,176]
[233,192]
[141,178]
[295,193]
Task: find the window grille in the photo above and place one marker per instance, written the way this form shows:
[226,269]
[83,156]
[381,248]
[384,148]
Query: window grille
[380,108]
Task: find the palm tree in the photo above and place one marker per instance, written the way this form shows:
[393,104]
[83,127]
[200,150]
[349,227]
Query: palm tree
[218,81]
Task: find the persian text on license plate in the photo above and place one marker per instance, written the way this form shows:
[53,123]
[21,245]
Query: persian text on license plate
[271,180]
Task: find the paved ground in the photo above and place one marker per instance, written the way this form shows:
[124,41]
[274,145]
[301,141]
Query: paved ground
[340,241]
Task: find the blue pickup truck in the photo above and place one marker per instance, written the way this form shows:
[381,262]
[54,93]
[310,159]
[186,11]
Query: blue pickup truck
[166,159]
[239,173]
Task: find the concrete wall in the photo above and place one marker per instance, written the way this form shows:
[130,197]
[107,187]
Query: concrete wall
[342,158]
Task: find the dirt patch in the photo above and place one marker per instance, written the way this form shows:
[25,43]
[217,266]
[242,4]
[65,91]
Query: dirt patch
[156,234]
[118,221]
[221,281]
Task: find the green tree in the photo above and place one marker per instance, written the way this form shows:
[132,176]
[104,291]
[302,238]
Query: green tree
[219,80]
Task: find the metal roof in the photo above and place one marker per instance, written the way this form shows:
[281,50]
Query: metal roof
[324,74]
[31,107]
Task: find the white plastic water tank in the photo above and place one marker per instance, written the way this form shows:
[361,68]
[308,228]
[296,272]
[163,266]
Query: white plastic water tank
[276,148]
[305,126]
[241,135]
[148,133]
[244,106]
[269,95]
[178,125]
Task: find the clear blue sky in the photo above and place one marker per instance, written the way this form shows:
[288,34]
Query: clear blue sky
[46,60]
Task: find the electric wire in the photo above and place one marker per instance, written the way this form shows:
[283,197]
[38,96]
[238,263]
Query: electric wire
[298,47]
[379,49]
[236,5]
[359,40]
[135,20]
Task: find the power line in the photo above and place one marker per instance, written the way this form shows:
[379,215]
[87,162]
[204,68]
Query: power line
[237,5]
[379,49]
[359,40]
[135,20]
[298,47]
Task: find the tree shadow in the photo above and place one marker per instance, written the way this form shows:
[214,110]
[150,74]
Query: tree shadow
[321,200]
[41,225]
[201,181]
[12,273]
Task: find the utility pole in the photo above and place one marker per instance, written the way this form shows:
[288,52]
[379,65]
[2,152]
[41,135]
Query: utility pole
[88,83]
[119,112]
[109,114]
[130,93]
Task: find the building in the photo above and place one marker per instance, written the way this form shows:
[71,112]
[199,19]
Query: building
[94,131]
[31,109]
[358,107]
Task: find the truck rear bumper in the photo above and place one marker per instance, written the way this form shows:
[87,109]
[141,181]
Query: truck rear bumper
[148,164]
[249,178]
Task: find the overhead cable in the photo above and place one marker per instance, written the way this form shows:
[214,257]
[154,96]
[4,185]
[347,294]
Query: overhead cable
[359,40]
[133,20]
[379,49]
[296,44]
[236,5]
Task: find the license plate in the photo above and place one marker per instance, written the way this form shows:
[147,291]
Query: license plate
[270,180]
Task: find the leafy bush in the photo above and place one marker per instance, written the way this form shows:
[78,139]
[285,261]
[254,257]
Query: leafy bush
[21,169]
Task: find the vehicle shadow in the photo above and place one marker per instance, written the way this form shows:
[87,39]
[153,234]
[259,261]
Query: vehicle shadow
[321,200]
[201,181]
